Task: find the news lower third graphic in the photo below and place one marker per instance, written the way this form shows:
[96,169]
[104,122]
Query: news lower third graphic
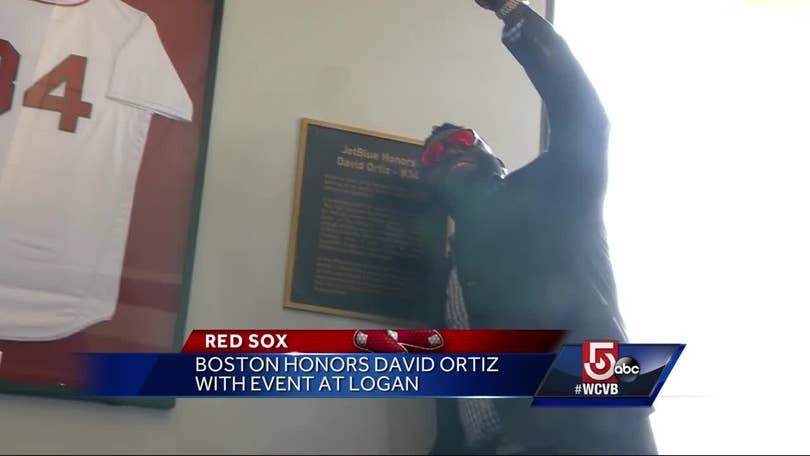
[606,373]
[391,363]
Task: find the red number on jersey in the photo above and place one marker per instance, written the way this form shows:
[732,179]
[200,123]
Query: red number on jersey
[9,61]
[70,105]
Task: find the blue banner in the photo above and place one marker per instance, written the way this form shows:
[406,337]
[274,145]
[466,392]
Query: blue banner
[316,375]
[592,374]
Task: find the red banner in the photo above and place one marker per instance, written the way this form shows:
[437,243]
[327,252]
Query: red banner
[372,340]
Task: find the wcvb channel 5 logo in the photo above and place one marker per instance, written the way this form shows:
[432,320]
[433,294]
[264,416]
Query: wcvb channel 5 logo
[601,364]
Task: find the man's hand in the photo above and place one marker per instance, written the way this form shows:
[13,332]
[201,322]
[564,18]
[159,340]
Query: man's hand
[492,5]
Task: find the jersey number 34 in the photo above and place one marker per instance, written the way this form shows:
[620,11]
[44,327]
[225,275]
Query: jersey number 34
[69,72]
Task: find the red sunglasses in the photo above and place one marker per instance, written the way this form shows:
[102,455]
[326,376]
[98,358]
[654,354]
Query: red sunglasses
[460,138]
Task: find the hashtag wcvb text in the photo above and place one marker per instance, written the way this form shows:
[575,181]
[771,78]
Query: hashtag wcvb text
[596,389]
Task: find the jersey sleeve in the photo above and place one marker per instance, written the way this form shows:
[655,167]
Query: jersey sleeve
[145,78]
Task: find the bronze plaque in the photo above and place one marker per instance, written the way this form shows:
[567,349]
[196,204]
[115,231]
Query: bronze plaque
[365,235]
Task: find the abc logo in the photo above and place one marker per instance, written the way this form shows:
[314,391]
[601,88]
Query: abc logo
[601,363]
[626,369]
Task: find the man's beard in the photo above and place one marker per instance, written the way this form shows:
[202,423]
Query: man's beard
[467,192]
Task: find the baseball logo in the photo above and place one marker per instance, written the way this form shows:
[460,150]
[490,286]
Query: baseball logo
[397,341]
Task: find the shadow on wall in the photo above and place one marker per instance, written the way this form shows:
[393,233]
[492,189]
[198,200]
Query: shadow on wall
[417,436]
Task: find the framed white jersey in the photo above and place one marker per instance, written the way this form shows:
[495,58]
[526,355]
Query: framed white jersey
[79,83]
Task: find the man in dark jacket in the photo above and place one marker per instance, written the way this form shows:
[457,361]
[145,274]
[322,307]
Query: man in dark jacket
[529,251]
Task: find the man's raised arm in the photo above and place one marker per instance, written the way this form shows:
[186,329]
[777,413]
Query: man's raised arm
[576,156]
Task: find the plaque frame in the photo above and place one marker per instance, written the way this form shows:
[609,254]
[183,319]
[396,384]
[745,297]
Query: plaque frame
[288,303]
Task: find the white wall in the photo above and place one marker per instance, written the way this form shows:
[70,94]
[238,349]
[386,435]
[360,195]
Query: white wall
[395,66]
[706,209]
